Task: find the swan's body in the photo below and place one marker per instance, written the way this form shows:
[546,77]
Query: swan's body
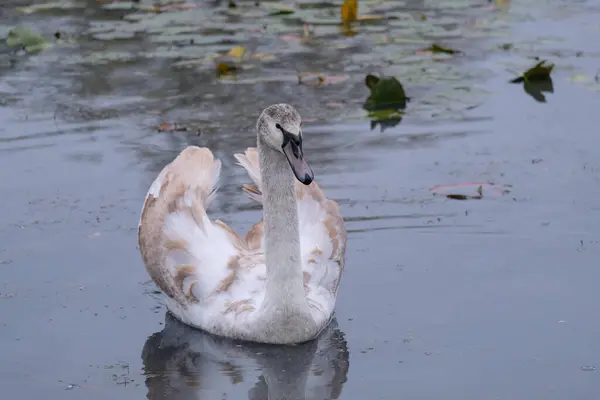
[278,284]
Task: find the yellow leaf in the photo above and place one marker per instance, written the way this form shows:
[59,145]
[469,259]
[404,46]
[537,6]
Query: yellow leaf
[237,51]
[349,11]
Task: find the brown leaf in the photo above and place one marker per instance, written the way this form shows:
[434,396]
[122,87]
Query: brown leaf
[166,127]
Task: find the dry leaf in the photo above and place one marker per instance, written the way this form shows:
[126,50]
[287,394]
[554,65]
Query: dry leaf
[166,127]
[319,79]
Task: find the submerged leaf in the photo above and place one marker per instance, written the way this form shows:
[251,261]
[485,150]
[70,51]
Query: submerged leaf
[470,190]
[539,72]
[318,79]
[437,49]
[279,9]
[54,5]
[226,69]
[30,41]
[166,127]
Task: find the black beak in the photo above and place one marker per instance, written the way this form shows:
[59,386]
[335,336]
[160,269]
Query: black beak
[292,148]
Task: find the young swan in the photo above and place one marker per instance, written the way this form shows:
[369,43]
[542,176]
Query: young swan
[279,283]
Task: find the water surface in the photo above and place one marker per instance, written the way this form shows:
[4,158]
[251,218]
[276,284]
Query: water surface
[441,298]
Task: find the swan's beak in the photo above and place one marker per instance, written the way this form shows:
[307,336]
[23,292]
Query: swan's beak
[292,148]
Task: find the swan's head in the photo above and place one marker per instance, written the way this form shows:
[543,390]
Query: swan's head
[280,127]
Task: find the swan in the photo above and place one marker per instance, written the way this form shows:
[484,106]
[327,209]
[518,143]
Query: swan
[277,284]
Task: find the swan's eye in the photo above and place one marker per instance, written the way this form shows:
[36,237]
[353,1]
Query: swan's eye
[279,127]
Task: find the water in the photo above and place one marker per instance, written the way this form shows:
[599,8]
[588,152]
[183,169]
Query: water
[493,298]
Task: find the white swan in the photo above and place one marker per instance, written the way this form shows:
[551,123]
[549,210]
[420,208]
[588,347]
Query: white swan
[279,283]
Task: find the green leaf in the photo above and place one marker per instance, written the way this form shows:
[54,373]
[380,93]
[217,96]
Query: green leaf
[538,73]
[371,81]
[386,93]
[30,41]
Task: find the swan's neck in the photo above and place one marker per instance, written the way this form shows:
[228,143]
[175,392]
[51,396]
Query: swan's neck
[284,286]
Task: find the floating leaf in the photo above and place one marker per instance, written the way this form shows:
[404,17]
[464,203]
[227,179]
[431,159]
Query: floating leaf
[54,5]
[470,190]
[310,77]
[386,101]
[369,17]
[30,41]
[371,81]
[437,49]
[537,80]
[237,52]
[349,11]
[166,127]
[264,57]
[279,9]
[539,72]
[318,79]
[386,92]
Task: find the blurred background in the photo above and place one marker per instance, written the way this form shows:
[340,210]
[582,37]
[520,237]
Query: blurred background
[459,137]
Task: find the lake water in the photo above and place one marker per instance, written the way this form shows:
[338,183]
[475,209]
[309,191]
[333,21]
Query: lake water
[476,299]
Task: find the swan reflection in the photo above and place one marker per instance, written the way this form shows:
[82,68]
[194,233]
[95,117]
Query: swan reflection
[184,363]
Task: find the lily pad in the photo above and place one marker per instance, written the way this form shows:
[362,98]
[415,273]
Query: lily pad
[30,41]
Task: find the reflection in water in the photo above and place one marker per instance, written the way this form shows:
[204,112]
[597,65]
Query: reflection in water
[536,89]
[184,363]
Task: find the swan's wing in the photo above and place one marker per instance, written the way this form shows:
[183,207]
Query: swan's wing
[322,232]
[323,243]
[189,256]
